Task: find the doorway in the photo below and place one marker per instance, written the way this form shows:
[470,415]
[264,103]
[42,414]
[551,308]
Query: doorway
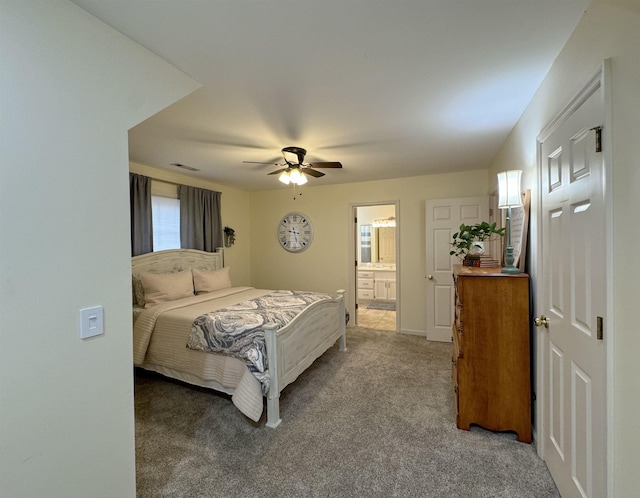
[376,266]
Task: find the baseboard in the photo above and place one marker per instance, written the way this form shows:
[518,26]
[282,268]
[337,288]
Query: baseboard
[422,333]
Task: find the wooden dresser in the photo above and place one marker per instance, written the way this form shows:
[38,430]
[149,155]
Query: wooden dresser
[491,360]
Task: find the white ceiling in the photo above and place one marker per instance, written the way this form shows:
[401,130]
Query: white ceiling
[391,88]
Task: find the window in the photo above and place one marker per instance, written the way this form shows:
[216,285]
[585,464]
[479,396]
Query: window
[166,222]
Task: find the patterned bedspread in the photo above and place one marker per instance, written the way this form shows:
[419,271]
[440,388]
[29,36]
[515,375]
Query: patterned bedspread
[238,330]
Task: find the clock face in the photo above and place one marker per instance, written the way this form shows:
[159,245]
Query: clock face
[295,232]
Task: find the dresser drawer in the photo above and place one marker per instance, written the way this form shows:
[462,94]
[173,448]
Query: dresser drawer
[458,350]
[457,317]
[365,294]
[454,376]
[365,274]
[365,283]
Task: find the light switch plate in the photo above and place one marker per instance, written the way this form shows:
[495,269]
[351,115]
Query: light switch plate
[91,322]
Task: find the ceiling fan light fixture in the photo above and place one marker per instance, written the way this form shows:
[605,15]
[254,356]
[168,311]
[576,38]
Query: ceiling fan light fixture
[285,178]
[295,176]
[295,171]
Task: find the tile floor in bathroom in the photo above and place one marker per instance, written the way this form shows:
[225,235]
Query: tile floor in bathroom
[376,319]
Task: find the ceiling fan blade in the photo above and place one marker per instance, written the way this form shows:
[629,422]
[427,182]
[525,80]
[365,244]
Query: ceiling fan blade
[312,172]
[278,171]
[258,162]
[326,165]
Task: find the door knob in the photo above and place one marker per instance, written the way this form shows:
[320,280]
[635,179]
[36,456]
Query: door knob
[430,277]
[541,320]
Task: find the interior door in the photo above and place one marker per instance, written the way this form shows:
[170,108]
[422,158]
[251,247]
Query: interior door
[572,300]
[387,244]
[443,219]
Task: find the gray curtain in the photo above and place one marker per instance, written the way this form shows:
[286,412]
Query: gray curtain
[200,220]
[141,222]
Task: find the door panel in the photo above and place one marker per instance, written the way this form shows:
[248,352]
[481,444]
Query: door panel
[582,428]
[557,401]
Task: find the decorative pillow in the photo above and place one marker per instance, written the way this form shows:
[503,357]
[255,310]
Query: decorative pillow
[161,287]
[209,281]
[138,291]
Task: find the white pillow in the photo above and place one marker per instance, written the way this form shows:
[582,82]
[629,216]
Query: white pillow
[160,287]
[209,281]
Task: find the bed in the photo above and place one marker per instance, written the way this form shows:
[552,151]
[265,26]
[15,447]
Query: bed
[173,288]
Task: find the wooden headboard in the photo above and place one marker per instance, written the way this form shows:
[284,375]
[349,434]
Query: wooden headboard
[177,260]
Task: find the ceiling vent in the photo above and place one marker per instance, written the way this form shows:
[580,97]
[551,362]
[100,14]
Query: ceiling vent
[184,166]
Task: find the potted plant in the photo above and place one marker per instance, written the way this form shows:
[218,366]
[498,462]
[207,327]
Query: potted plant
[229,236]
[470,239]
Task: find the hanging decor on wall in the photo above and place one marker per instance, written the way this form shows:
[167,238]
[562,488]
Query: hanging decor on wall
[229,236]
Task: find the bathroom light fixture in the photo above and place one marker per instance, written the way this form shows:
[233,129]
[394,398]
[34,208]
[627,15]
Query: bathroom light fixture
[509,196]
[384,222]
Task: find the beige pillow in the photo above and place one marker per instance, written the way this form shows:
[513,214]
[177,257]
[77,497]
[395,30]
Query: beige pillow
[160,287]
[209,281]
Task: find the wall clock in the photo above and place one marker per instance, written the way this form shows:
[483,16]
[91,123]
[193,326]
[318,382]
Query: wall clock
[295,232]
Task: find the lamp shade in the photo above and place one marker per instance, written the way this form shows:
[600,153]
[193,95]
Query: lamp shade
[509,189]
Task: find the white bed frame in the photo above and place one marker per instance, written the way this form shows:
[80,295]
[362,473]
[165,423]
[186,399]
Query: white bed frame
[290,349]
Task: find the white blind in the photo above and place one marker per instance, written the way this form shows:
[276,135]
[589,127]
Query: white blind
[166,223]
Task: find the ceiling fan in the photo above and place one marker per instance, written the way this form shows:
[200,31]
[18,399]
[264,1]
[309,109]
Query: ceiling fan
[295,168]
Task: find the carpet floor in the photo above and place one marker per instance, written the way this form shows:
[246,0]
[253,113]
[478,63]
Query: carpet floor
[377,420]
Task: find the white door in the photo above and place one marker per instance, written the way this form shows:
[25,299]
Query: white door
[572,297]
[386,245]
[443,219]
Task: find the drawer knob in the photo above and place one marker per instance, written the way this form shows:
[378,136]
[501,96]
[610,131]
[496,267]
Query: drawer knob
[430,277]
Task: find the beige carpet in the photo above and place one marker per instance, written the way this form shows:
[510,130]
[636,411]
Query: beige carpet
[375,421]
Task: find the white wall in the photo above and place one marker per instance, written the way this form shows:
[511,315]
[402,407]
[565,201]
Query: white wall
[70,89]
[328,263]
[609,29]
